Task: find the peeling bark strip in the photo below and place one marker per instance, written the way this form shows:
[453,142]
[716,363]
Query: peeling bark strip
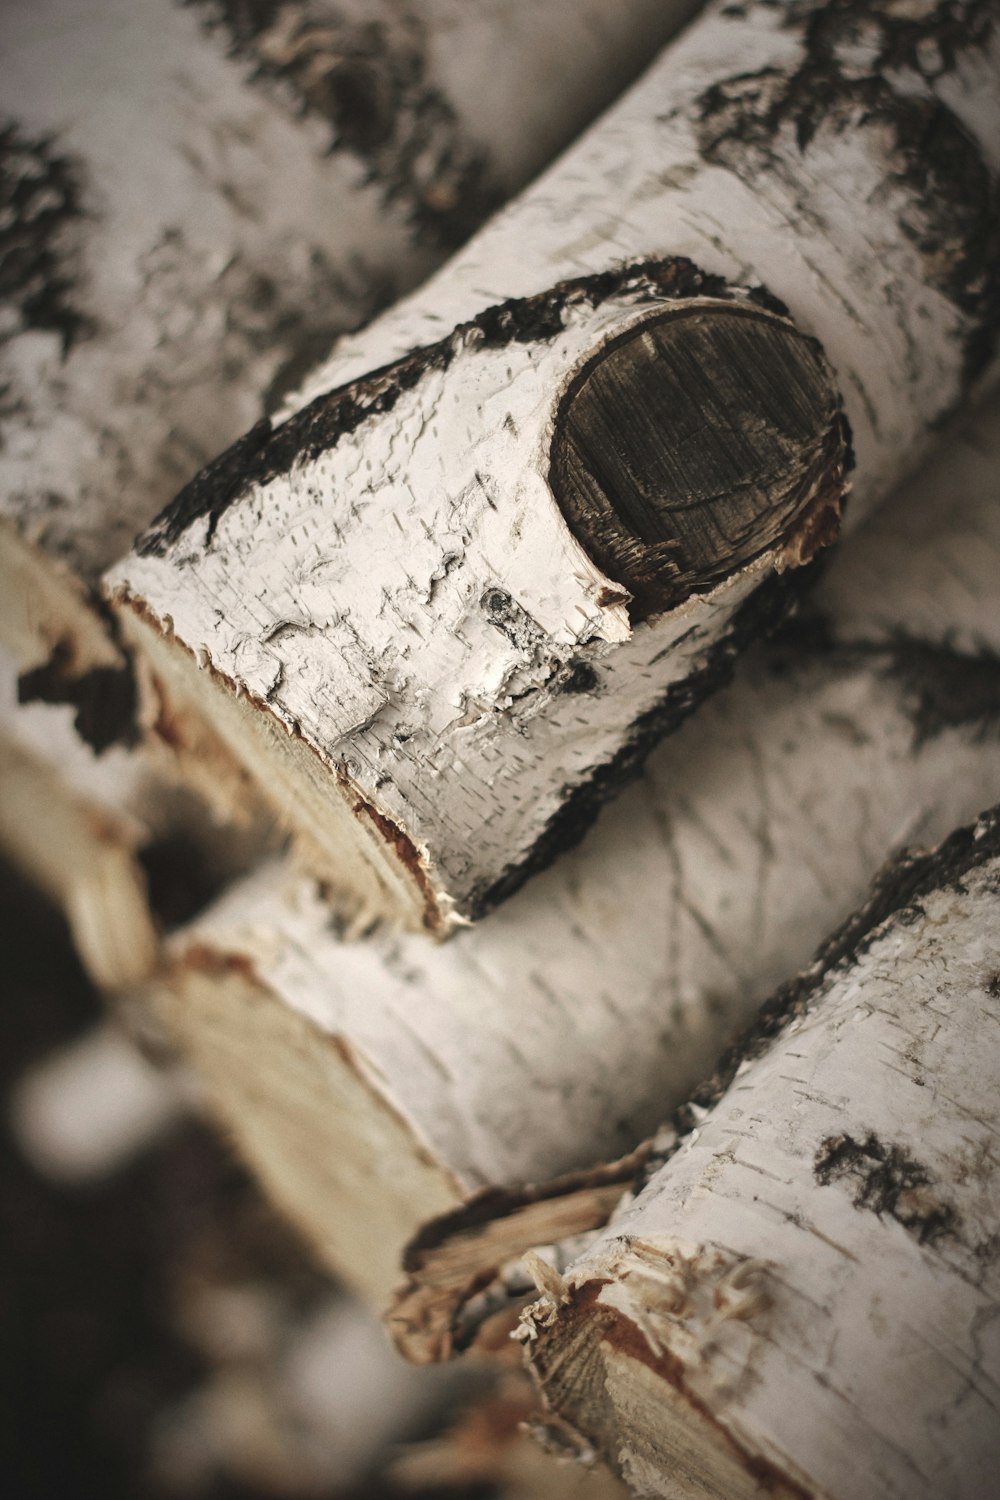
[383,583]
[155,301]
[746,1319]
[499,1056]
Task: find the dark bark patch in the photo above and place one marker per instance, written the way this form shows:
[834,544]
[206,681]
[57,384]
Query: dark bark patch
[694,443]
[267,452]
[40,204]
[104,698]
[506,615]
[888,1182]
[948,689]
[578,677]
[369,82]
[849,79]
[943,688]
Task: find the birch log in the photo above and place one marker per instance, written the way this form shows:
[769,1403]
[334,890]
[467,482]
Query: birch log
[803,1300]
[190,219]
[441,606]
[378,1084]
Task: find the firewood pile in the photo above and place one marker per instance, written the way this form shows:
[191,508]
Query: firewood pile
[501,683]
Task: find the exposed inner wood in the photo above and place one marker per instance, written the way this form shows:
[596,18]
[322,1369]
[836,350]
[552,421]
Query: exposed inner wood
[690,445]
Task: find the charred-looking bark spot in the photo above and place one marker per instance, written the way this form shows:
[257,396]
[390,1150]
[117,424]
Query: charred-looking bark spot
[873,65]
[40,200]
[694,443]
[949,689]
[506,615]
[888,1182]
[369,82]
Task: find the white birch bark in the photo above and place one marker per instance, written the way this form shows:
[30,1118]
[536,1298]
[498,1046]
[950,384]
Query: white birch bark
[442,1073]
[394,585]
[181,241]
[803,1299]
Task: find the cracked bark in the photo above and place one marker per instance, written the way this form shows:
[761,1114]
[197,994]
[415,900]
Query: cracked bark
[394,584]
[801,1299]
[496,1059]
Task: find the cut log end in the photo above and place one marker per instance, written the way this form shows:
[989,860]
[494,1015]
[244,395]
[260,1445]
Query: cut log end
[694,443]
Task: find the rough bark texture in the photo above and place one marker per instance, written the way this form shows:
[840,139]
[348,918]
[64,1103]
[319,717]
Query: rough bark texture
[198,198]
[500,1055]
[383,582]
[802,1299]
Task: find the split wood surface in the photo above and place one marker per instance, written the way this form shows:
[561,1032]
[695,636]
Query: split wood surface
[435,609]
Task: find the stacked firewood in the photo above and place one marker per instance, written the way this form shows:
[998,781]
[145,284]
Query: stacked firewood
[477,773]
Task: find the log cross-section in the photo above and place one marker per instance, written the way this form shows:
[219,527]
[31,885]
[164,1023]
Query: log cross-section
[690,445]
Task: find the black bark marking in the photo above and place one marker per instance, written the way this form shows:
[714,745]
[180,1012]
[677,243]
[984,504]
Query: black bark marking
[369,83]
[948,689]
[104,698]
[692,444]
[40,200]
[265,453]
[578,677]
[943,688]
[896,892]
[888,1183]
[854,52]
